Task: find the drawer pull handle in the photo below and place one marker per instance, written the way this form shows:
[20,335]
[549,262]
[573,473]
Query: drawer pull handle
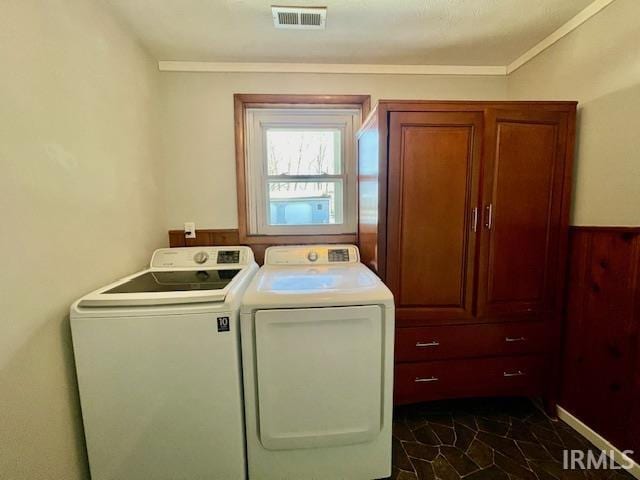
[518,373]
[514,339]
[426,380]
[434,343]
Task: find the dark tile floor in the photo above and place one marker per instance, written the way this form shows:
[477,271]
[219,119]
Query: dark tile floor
[485,439]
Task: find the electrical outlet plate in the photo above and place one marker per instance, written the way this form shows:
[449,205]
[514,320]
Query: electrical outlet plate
[189,230]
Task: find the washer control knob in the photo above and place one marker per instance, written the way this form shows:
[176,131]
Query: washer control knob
[201,257]
[312,256]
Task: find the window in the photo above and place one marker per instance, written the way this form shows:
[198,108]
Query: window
[300,169]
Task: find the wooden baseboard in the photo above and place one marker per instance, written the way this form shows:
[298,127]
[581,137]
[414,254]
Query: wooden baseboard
[598,440]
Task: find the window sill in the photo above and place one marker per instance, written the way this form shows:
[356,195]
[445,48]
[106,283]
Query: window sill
[269,240]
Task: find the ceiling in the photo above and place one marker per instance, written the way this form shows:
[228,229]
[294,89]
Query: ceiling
[408,32]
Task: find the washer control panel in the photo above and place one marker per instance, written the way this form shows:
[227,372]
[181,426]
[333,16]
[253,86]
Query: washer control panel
[338,255]
[312,255]
[200,257]
[228,256]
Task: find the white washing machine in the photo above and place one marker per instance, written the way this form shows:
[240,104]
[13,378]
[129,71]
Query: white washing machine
[158,362]
[317,353]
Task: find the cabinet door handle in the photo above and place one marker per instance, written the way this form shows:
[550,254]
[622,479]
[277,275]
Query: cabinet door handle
[426,379]
[474,219]
[514,339]
[433,343]
[488,209]
[517,373]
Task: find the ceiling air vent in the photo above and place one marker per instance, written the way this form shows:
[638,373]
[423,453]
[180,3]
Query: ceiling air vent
[302,18]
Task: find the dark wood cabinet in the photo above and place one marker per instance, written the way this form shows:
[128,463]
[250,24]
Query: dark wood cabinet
[434,160]
[415,344]
[490,376]
[523,181]
[463,213]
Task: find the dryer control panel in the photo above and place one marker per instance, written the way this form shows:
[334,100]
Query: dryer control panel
[201,257]
[312,255]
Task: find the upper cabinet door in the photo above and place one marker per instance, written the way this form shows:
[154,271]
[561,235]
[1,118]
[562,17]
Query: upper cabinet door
[523,176]
[432,214]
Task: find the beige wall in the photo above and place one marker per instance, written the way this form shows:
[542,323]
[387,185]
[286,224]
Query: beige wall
[197,127]
[81,206]
[597,64]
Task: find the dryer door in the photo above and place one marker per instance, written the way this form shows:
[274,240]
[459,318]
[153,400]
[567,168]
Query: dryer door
[319,376]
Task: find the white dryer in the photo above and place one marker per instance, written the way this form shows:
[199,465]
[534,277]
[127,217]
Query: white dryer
[317,351]
[158,364]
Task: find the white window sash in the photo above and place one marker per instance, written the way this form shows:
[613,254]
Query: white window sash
[257,121]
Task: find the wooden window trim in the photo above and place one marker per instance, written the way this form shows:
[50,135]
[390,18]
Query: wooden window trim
[241,103]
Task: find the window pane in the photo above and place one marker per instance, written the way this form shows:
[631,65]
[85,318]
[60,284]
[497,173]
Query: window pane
[305,203]
[303,151]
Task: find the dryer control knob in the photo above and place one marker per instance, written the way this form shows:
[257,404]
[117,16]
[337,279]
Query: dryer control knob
[201,257]
[312,256]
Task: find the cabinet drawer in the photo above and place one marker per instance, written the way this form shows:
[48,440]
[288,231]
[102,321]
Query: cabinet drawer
[457,341]
[423,381]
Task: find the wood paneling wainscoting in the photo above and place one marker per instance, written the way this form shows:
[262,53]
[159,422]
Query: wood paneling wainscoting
[601,384]
[231,236]
[214,237]
[204,238]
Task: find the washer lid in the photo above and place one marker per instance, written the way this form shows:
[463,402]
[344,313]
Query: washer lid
[176,281]
[151,287]
[179,275]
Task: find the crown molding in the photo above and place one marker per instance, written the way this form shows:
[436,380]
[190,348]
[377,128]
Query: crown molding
[372,69]
[565,29]
[335,68]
